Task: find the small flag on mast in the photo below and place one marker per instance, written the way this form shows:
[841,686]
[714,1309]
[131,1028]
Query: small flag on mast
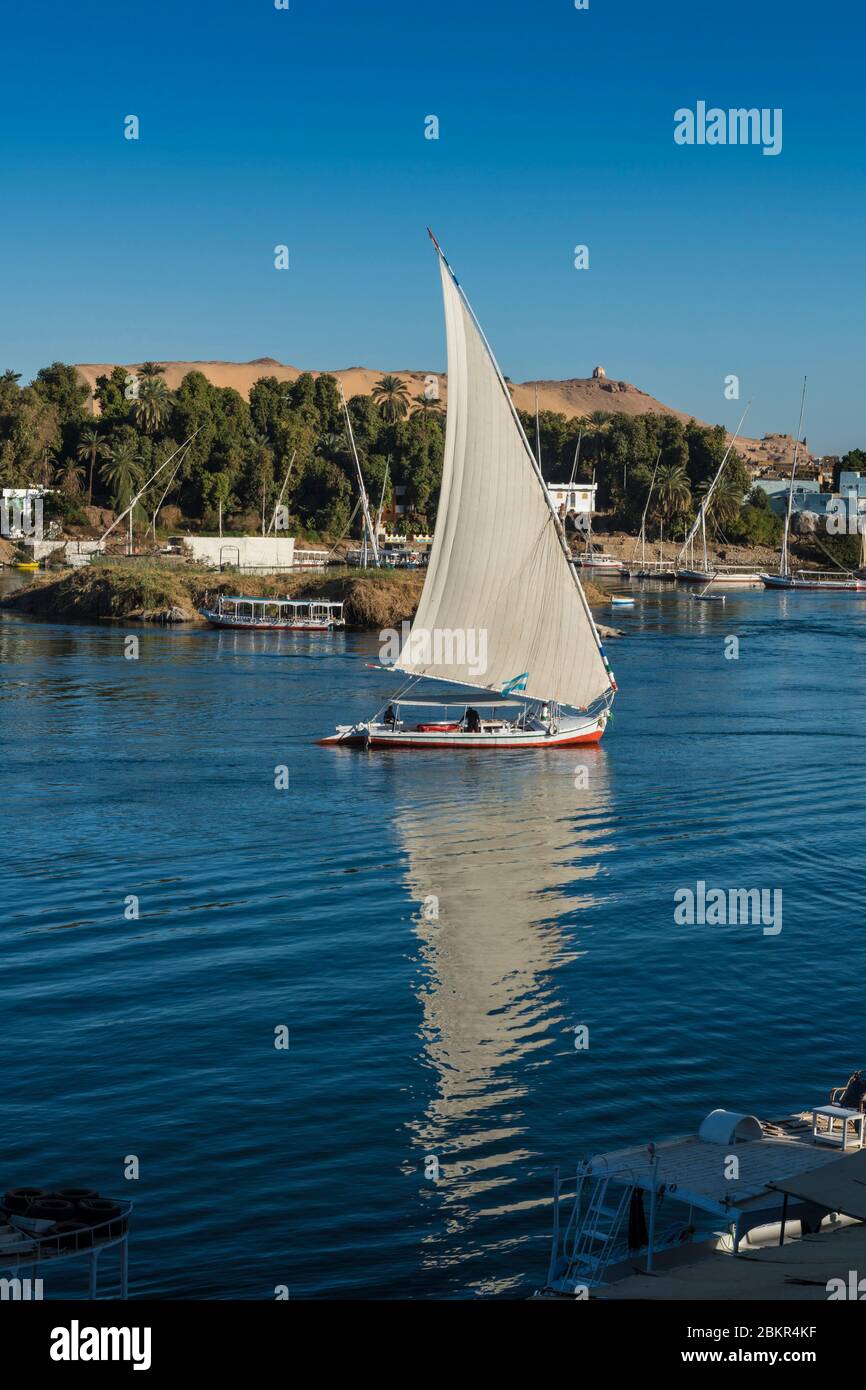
[513,687]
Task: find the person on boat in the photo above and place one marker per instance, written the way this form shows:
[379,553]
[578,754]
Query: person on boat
[389,716]
[473,721]
[852,1097]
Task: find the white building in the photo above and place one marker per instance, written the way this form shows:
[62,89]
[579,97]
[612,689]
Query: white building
[573,497]
[267,553]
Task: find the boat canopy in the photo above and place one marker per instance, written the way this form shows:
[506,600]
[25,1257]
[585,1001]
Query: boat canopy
[483,702]
[283,602]
[499,565]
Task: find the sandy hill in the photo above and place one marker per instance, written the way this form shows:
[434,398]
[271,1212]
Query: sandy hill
[575,398]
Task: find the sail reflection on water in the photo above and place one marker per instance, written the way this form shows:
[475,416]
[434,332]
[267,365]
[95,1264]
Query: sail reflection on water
[510,872]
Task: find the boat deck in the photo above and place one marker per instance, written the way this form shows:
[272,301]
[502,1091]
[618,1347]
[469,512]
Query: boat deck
[698,1167]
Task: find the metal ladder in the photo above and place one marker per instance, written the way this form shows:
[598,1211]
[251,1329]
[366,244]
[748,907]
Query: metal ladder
[593,1233]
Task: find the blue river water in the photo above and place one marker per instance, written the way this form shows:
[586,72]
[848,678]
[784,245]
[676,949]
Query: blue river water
[429,927]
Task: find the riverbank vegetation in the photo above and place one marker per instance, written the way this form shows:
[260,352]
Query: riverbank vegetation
[147,591]
[290,438]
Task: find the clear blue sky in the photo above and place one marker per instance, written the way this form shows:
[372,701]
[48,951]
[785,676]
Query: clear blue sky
[306,127]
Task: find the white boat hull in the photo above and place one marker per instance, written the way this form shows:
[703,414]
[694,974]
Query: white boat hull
[720,579]
[568,733]
[782,581]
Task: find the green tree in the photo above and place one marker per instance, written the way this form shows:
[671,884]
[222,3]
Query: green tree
[674,492]
[60,385]
[69,478]
[91,448]
[427,405]
[110,392]
[122,472]
[152,406]
[392,398]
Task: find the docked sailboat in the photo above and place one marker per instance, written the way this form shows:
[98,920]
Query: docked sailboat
[601,562]
[826,580]
[651,569]
[811,580]
[502,617]
[716,575]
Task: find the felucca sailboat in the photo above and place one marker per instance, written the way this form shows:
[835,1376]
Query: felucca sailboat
[713,574]
[810,580]
[502,616]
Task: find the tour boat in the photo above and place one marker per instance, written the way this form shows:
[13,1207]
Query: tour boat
[815,579]
[502,616]
[274,614]
[738,1185]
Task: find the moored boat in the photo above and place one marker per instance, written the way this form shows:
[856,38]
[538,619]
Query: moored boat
[664,1204]
[710,574]
[273,614]
[812,581]
[656,569]
[816,579]
[502,612]
[600,562]
[721,576]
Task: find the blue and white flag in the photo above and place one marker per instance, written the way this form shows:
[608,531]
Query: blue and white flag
[518,684]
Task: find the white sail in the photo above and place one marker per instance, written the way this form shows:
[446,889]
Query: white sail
[501,601]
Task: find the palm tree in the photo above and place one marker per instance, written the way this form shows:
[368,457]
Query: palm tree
[726,500]
[9,378]
[674,491]
[330,445]
[151,370]
[392,397]
[91,448]
[152,405]
[122,473]
[427,406]
[68,477]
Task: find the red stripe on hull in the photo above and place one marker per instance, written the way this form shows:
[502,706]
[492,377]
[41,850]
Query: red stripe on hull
[358,741]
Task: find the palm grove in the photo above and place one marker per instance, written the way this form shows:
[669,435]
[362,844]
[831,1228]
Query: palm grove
[239,459]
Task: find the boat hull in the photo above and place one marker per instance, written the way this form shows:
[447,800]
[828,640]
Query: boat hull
[361,736]
[780,581]
[719,579]
[216,621]
[604,567]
